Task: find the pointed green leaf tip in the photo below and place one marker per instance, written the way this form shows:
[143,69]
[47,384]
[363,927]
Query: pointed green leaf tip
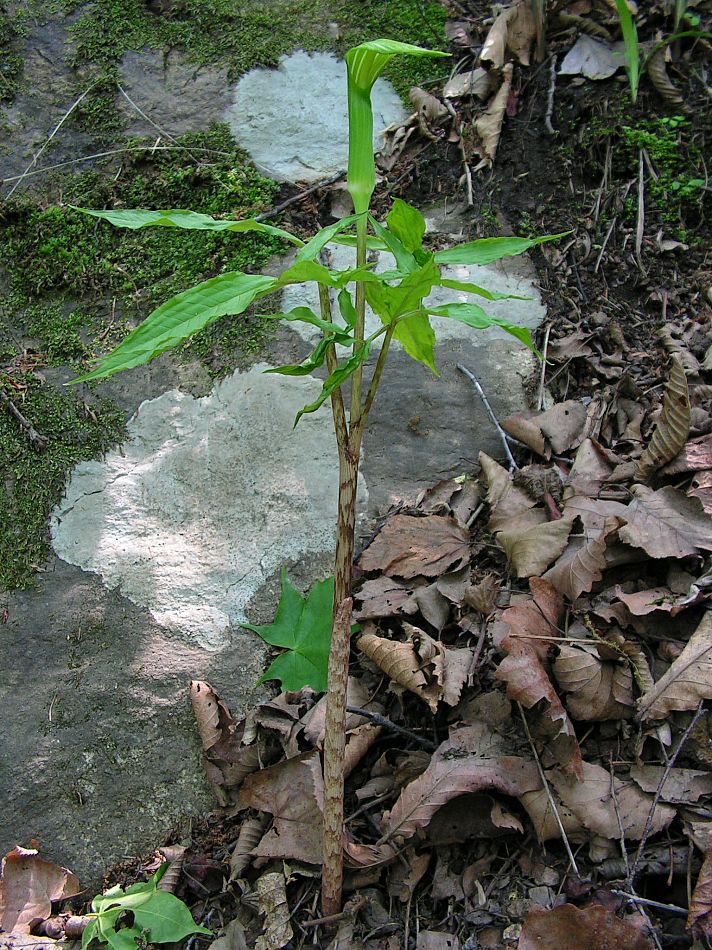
[302,626]
[367,61]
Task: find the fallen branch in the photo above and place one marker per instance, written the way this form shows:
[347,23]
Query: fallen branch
[387,724]
[301,195]
[504,438]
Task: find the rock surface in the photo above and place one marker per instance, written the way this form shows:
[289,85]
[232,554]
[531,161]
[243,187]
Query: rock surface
[292,121]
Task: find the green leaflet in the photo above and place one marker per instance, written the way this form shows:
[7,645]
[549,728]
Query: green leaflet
[417,337]
[313,361]
[632,49]
[181,317]
[469,288]
[302,271]
[474,316]
[407,223]
[336,379]
[404,259]
[487,250]
[306,315]
[302,627]
[391,302]
[347,309]
[322,238]
[159,916]
[191,220]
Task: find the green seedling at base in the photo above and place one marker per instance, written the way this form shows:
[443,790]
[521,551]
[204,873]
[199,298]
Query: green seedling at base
[158,916]
[398,297]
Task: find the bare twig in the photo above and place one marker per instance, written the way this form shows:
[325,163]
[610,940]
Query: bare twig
[550,98]
[37,441]
[699,713]
[51,135]
[544,782]
[633,898]
[387,724]
[490,412]
[298,197]
[603,246]
[542,375]
[640,224]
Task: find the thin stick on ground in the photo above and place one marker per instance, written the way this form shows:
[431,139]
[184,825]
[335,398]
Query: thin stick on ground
[542,375]
[490,412]
[51,135]
[552,803]
[37,441]
[300,196]
[550,98]
[387,724]
[699,713]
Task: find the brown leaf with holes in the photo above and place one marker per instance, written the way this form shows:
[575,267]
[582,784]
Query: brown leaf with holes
[666,523]
[687,681]
[531,549]
[695,456]
[523,634]
[464,763]
[672,428]
[28,885]
[409,547]
[563,424]
[569,928]
[596,689]
[383,596]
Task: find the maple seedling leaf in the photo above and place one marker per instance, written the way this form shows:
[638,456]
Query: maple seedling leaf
[302,626]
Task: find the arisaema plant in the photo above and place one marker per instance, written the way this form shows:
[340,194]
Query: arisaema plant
[399,297]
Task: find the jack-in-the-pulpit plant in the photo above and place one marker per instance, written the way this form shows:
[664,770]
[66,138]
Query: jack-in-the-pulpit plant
[398,297]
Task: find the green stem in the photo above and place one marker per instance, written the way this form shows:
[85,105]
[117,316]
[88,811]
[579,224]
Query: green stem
[375,380]
[337,399]
[359,330]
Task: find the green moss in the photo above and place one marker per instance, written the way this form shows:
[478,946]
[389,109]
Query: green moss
[10,59]
[33,481]
[58,332]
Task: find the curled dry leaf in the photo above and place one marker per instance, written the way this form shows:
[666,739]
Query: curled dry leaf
[582,563]
[488,126]
[409,546]
[456,769]
[514,31]
[214,720]
[687,681]
[471,816]
[272,892]
[523,634]
[592,59]
[523,427]
[475,82]
[399,662]
[569,928]
[428,105]
[592,466]
[666,523]
[506,500]
[403,879]
[251,831]
[597,689]
[699,918]
[695,456]
[657,73]
[673,426]
[28,885]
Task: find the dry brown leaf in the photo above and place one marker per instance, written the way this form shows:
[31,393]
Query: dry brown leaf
[523,427]
[399,662]
[453,585]
[450,496]
[538,806]
[231,938]
[272,893]
[17,941]
[357,695]
[644,602]
[563,424]
[530,550]
[592,467]
[432,605]
[214,720]
[293,792]
[475,82]
[583,561]
[695,456]
[666,523]
[384,597]
[445,669]
[456,769]
[488,127]
[702,489]
[599,809]
[428,105]
[408,547]
[673,426]
[436,940]
[403,879]
[657,73]
[251,831]
[597,689]
[28,885]
[525,669]
[682,786]
[570,928]
[483,595]
[699,918]
[514,30]
[506,500]
[687,681]
[358,742]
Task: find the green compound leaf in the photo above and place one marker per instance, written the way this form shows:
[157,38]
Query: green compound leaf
[474,316]
[468,288]
[407,223]
[181,317]
[487,250]
[302,626]
[191,220]
[159,917]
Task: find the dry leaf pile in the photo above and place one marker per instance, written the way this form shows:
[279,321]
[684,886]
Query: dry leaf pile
[535,648]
